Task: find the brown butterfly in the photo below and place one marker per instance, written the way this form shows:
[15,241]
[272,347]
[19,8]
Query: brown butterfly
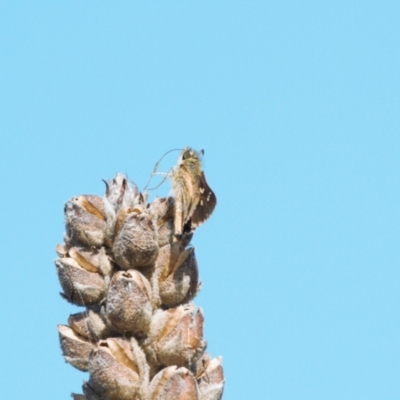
[194,200]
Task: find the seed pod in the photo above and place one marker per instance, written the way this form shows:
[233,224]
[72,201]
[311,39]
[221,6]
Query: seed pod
[210,378]
[90,324]
[174,383]
[120,194]
[91,259]
[85,221]
[135,243]
[175,337]
[114,373]
[129,302]
[80,286]
[75,348]
[177,275]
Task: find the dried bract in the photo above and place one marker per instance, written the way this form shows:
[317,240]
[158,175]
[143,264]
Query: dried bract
[80,286]
[85,221]
[75,348]
[175,337]
[114,373]
[177,275]
[91,324]
[210,378]
[174,383]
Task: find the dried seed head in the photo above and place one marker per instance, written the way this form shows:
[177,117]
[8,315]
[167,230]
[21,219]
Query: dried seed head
[114,373]
[175,337]
[75,348]
[85,221]
[174,383]
[129,302]
[135,243]
[80,286]
[177,275]
[210,378]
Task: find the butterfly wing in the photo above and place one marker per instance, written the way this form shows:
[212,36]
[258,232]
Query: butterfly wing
[206,204]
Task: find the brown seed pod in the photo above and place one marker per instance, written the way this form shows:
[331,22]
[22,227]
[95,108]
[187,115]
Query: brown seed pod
[210,378]
[114,371]
[176,274]
[174,383]
[129,302]
[175,337]
[80,286]
[75,348]
[90,324]
[92,259]
[120,194]
[135,244]
[85,221]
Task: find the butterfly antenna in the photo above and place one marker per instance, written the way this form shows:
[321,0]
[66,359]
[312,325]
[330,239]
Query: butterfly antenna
[155,170]
[155,187]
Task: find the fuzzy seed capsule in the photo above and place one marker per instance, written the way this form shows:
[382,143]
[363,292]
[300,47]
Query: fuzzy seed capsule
[175,337]
[114,372]
[176,274]
[75,348]
[210,378]
[91,324]
[135,244]
[92,259]
[80,286]
[85,221]
[174,383]
[129,302]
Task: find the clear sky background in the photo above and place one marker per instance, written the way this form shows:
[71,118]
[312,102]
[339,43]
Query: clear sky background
[296,104]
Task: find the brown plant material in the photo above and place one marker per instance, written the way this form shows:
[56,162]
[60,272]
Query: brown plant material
[126,262]
[210,378]
[91,324]
[175,337]
[174,383]
[115,371]
[135,244]
[176,277]
[129,302]
[85,221]
[92,259]
[75,348]
[80,286]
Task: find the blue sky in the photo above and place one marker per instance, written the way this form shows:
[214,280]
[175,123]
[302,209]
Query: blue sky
[297,107]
